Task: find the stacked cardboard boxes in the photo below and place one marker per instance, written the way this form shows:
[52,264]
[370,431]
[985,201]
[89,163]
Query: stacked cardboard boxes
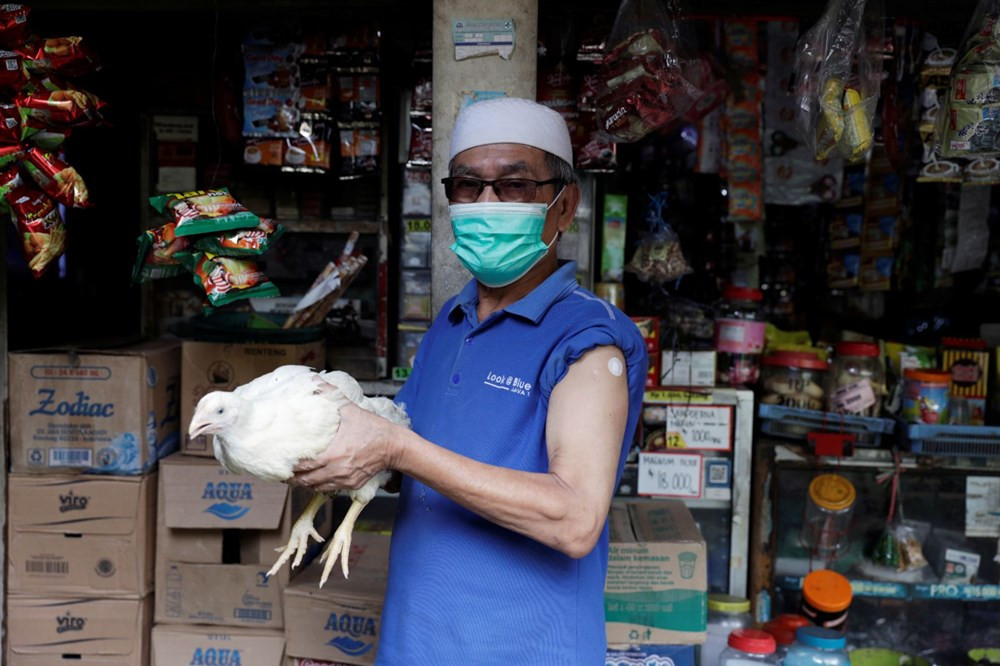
[87,430]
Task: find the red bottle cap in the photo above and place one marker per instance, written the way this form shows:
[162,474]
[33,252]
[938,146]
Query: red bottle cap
[752,640]
[793,359]
[857,349]
[732,293]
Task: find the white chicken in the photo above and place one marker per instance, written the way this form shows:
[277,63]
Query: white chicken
[268,425]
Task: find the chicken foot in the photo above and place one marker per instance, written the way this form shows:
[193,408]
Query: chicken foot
[340,544]
[298,542]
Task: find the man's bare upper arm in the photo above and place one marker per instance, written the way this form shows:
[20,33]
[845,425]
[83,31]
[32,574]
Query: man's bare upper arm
[588,412]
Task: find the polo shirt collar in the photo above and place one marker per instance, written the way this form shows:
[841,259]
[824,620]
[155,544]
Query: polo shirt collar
[531,307]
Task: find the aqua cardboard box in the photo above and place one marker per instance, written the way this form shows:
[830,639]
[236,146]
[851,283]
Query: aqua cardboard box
[181,645]
[656,588]
[216,538]
[81,534]
[650,655]
[90,631]
[340,622]
[111,411]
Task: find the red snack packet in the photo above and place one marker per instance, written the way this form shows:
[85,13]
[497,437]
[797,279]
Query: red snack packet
[10,124]
[10,179]
[57,178]
[62,55]
[13,24]
[55,104]
[40,135]
[12,74]
[43,233]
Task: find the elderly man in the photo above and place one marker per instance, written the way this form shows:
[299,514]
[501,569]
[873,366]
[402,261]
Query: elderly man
[524,397]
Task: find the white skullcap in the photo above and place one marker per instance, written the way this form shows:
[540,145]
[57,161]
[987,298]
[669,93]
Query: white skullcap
[511,120]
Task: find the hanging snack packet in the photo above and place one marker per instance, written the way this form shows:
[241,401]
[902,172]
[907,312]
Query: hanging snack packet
[204,211]
[242,242]
[10,124]
[156,253]
[61,55]
[10,179]
[57,178]
[12,74]
[10,155]
[13,24]
[56,104]
[43,233]
[227,279]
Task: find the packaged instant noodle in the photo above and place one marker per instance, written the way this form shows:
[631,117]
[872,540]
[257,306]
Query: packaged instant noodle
[42,231]
[156,253]
[56,178]
[242,242]
[204,211]
[227,279]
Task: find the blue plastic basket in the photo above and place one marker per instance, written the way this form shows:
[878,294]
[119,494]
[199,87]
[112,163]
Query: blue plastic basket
[795,423]
[954,440]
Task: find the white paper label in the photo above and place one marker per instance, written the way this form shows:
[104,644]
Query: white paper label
[855,398]
[707,427]
[482,37]
[982,506]
[670,474]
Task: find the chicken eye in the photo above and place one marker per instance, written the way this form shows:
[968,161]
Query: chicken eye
[220,410]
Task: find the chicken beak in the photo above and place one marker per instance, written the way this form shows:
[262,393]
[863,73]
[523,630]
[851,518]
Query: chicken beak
[198,427]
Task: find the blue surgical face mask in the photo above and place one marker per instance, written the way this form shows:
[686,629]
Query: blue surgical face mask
[498,241]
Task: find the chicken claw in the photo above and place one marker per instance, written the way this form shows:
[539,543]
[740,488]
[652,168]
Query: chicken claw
[298,542]
[340,544]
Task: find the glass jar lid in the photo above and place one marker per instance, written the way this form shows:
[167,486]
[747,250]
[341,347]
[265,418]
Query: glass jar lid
[857,349]
[727,603]
[732,293]
[827,591]
[832,492]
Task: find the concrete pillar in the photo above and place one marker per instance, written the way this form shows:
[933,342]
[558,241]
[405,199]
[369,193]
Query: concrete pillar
[516,77]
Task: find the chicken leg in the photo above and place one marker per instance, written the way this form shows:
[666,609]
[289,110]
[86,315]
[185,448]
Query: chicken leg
[298,542]
[340,544]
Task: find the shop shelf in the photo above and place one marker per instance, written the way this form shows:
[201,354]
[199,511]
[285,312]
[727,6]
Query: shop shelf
[953,440]
[795,423]
[890,590]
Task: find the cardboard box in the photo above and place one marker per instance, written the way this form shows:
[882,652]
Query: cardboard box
[687,368]
[650,655]
[340,623]
[656,589]
[180,645]
[298,661]
[216,538]
[47,630]
[111,411]
[221,366]
[87,535]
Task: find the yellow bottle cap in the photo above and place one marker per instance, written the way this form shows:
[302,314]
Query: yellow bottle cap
[832,492]
[727,603]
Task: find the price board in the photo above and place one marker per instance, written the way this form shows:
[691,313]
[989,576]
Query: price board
[670,474]
[706,427]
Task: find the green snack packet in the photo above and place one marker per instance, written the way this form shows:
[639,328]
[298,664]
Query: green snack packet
[156,258]
[227,279]
[204,211]
[242,242]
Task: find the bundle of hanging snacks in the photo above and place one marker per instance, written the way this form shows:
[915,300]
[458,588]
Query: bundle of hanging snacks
[38,110]
[214,237]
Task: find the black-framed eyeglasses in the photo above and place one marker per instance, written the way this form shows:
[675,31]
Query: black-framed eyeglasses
[466,189]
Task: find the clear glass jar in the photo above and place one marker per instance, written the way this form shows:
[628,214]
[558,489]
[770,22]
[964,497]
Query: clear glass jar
[749,647]
[726,614]
[739,336]
[793,379]
[828,511]
[855,380]
[815,646]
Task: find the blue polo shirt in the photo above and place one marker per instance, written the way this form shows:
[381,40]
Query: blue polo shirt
[461,589]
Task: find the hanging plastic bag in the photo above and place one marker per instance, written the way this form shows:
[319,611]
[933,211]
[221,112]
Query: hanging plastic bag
[643,83]
[658,256]
[838,71]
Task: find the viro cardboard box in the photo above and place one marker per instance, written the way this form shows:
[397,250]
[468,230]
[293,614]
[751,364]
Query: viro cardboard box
[49,630]
[112,411]
[180,645]
[216,538]
[340,622]
[221,366]
[656,589]
[88,535]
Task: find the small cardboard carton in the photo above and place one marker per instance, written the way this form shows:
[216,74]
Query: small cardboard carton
[216,538]
[86,535]
[47,630]
[113,411]
[650,655]
[656,589]
[340,622]
[181,645]
[221,366]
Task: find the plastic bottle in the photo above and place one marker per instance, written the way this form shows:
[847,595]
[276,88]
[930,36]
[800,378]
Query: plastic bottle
[726,613]
[815,646]
[749,647]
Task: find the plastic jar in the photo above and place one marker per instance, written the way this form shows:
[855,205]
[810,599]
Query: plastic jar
[925,396]
[726,614]
[748,647]
[828,512]
[855,380]
[794,379]
[739,336]
[783,629]
[826,597]
[815,646]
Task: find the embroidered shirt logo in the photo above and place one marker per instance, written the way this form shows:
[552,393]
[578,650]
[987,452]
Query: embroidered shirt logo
[508,383]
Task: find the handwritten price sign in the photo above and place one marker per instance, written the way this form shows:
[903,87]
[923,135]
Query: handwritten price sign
[708,427]
[670,474]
